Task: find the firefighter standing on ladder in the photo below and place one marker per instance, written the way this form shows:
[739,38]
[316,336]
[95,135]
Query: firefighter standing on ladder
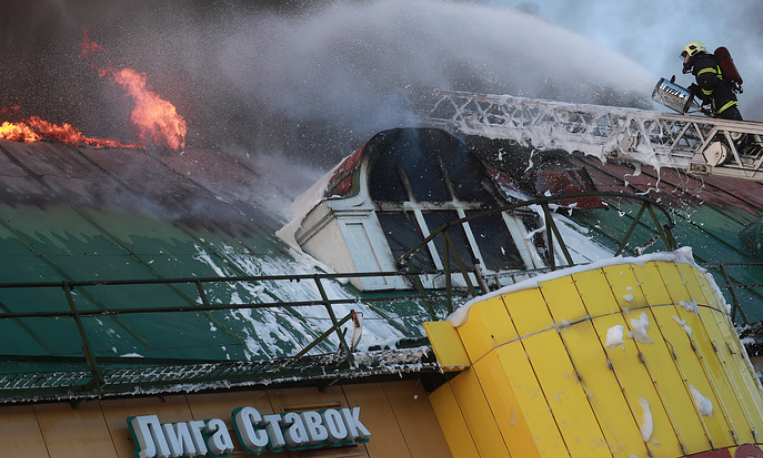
[711,86]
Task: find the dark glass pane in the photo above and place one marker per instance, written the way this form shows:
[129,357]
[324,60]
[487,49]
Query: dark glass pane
[402,235]
[436,219]
[417,152]
[384,181]
[421,154]
[470,181]
[496,244]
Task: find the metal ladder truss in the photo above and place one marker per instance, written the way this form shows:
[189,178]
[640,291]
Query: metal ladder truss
[697,144]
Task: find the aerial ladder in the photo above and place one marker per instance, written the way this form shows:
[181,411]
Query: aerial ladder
[697,144]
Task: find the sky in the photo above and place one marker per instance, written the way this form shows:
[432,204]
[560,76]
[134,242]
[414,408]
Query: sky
[653,33]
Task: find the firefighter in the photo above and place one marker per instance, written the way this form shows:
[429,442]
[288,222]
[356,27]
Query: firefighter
[711,88]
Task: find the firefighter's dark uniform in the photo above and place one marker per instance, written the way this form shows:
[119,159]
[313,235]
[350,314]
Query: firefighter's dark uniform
[712,89]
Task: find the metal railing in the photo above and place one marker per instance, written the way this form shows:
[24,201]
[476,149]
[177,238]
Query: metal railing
[124,375]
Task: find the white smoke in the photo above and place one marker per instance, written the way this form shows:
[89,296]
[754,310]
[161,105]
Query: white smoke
[346,61]
[653,33]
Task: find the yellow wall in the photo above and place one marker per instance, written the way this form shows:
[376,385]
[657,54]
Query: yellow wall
[539,380]
[398,415]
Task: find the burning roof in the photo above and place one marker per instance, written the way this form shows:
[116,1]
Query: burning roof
[156,120]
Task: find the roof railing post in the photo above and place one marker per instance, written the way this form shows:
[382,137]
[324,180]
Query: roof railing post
[448,240]
[735,305]
[342,342]
[480,278]
[416,281]
[664,230]
[552,229]
[97,381]
[632,228]
[549,235]
[202,295]
[315,342]
[448,279]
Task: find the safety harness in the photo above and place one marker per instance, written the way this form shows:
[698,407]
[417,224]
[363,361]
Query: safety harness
[709,92]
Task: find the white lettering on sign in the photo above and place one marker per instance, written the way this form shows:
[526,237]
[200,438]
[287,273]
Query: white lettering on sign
[316,431]
[297,431]
[256,432]
[244,420]
[219,441]
[148,436]
[174,440]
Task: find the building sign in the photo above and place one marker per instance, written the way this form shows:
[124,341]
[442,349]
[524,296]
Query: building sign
[256,433]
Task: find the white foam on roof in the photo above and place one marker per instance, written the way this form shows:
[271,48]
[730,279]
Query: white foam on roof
[682,255]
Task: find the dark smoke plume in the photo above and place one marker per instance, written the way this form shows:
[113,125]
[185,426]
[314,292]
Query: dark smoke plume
[313,81]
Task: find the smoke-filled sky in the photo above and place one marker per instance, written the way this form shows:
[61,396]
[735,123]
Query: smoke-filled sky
[316,79]
[653,33]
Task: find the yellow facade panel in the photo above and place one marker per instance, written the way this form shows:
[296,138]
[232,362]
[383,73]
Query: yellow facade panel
[488,326]
[740,393]
[447,345]
[563,300]
[705,353]
[694,283]
[478,416]
[528,311]
[219,405]
[565,396]
[415,419]
[679,337]
[21,434]
[741,363]
[452,423]
[625,286]
[604,392]
[594,289]
[645,404]
[529,395]
[651,284]
[379,417]
[674,282]
[83,425]
[505,407]
[668,380]
[626,360]
[170,409]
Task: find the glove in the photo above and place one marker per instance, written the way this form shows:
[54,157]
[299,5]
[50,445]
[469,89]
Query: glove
[695,90]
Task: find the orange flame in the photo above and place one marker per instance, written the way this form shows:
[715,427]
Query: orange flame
[155,118]
[37,129]
[18,132]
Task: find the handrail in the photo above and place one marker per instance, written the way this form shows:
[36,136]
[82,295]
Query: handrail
[198,281]
[99,383]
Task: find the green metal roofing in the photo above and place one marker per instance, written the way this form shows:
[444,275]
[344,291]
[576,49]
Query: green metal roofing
[92,236]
